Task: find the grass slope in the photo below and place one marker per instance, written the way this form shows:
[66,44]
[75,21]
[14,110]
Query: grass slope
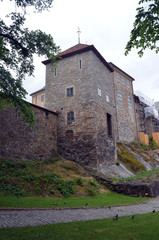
[143,227]
[55,178]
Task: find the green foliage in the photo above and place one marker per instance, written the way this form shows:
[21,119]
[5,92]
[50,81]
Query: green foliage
[146,28]
[153,144]
[17,48]
[39,178]
[144,147]
[129,159]
[79,181]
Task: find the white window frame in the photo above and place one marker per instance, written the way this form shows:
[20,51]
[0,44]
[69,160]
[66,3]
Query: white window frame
[107,98]
[99,92]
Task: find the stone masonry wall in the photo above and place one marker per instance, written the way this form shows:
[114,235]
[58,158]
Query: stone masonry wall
[19,141]
[87,145]
[126,116]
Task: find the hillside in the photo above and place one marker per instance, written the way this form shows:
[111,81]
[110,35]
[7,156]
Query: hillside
[56,178]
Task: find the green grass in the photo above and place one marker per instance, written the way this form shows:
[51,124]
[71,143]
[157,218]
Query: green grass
[101,200]
[55,178]
[140,175]
[142,227]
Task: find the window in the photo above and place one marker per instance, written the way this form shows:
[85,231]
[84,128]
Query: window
[109,124]
[120,98]
[123,81]
[80,64]
[128,84]
[70,117]
[129,102]
[69,133]
[42,98]
[70,92]
[118,77]
[107,98]
[99,92]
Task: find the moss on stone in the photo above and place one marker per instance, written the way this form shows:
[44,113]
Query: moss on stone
[129,160]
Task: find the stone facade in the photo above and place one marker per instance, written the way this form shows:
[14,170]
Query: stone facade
[124,104]
[91,81]
[84,87]
[19,141]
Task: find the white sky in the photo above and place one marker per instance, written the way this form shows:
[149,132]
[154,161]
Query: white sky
[105,24]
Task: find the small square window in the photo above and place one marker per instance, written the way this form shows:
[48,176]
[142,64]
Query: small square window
[70,116]
[42,98]
[70,92]
[118,77]
[107,98]
[99,92]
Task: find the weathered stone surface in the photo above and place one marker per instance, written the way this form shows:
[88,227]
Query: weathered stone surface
[19,141]
[90,144]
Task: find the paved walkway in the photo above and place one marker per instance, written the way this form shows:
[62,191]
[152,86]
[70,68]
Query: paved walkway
[32,217]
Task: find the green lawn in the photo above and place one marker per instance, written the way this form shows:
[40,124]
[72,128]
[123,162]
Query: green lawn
[142,227]
[101,200]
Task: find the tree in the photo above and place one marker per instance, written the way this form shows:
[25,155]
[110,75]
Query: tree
[145,33]
[17,48]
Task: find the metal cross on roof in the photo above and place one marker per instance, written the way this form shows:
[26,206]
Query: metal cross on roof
[79,32]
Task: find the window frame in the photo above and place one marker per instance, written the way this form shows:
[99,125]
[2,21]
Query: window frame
[130,102]
[120,98]
[118,77]
[70,92]
[99,92]
[70,117]
[42,97]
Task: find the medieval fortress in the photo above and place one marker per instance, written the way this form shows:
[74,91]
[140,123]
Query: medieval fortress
[85,108]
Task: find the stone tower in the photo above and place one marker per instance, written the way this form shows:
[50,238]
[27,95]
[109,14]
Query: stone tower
[80,88]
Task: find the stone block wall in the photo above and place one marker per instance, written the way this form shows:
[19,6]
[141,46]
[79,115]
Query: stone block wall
[90,144]
[19,141]
[125,107]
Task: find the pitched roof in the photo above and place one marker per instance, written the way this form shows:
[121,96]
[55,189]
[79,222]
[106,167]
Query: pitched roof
[114,66]
[80,48]
[40,90]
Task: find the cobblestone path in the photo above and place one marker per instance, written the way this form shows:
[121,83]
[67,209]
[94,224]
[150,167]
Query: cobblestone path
[33,217]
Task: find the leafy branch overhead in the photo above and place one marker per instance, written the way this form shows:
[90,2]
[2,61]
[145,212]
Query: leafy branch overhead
[145,33]
[17,48]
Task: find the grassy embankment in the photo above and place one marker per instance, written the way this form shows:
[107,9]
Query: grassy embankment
[41,184]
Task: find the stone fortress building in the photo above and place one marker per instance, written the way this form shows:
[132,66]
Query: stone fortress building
[95,103]
[86,106]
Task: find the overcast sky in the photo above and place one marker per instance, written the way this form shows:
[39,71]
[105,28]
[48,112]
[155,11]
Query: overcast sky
[105,24]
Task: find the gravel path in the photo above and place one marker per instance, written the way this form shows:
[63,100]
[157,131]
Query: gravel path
[34,217]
